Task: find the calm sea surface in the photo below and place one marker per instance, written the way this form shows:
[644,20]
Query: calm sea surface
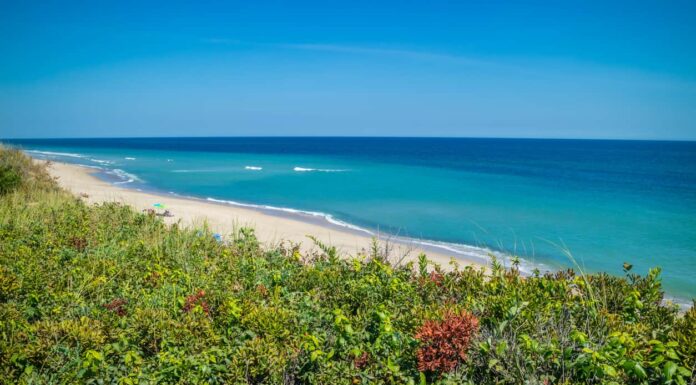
[607,202]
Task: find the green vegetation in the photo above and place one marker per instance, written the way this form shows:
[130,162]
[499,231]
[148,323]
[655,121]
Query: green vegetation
[102,294]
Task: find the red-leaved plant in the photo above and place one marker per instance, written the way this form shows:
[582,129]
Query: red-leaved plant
[196,299]
[362,360]
[117,306]
[444,343]
[436,278]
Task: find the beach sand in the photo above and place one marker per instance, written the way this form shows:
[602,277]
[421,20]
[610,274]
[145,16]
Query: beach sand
[224,219]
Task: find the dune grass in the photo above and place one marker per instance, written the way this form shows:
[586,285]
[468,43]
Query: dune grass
[103,294]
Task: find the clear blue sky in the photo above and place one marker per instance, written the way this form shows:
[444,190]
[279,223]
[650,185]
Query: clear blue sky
[569,69]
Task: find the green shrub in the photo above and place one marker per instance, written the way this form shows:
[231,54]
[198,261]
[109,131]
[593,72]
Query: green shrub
[102,294]
[10,179]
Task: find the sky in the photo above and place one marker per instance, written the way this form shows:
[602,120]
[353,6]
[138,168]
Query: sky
[551,69]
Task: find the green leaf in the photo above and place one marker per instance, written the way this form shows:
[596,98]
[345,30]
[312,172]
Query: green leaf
[492,363]
[684,371]
[657,361]
[609,370]
[639,371]
[500,349]
[672,355]
[669,369]
[502,325]
[394,368]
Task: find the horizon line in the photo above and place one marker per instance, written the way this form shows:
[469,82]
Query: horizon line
[351,137]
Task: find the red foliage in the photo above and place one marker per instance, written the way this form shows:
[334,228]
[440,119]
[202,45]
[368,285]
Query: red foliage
[444,343]
[117,306]
[152,279]
[196,299]
[261,289]
[436,278]
[362,360]
[78,243]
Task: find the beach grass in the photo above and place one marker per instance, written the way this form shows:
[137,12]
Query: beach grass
[104,294]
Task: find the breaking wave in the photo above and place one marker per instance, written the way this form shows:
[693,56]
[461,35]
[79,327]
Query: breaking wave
[303,169]
[51,153]
[125,177]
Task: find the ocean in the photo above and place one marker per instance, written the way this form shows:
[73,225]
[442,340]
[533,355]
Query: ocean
[604,202]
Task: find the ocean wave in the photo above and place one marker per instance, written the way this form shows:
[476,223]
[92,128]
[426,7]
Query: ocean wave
[51,153]
[129,158]
[253,168]
[101,161]
[125,177]
[303,169]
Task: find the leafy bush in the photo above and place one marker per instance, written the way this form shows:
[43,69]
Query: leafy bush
[9,179]
[102,294]
[18,171]
[445,343]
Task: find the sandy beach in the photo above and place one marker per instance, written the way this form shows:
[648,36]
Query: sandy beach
[224,219]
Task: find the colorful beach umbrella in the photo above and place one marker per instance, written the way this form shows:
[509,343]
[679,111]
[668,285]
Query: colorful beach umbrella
[158,205]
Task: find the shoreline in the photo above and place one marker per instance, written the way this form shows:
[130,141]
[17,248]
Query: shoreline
[271,225]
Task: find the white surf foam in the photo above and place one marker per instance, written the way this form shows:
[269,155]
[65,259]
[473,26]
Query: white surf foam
[328,217]
[51,153]
[101,161]
[253,168]
[129,158]
[304,169]
[483,255]
[125,177]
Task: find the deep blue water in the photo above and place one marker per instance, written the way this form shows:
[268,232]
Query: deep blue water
[608,202]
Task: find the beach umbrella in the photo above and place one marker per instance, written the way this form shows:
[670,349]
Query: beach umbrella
[158,206]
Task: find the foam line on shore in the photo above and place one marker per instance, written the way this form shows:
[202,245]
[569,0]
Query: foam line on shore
[480,255]
[328,217]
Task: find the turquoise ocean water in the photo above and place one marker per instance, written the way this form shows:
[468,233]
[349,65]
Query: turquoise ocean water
[607,202]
